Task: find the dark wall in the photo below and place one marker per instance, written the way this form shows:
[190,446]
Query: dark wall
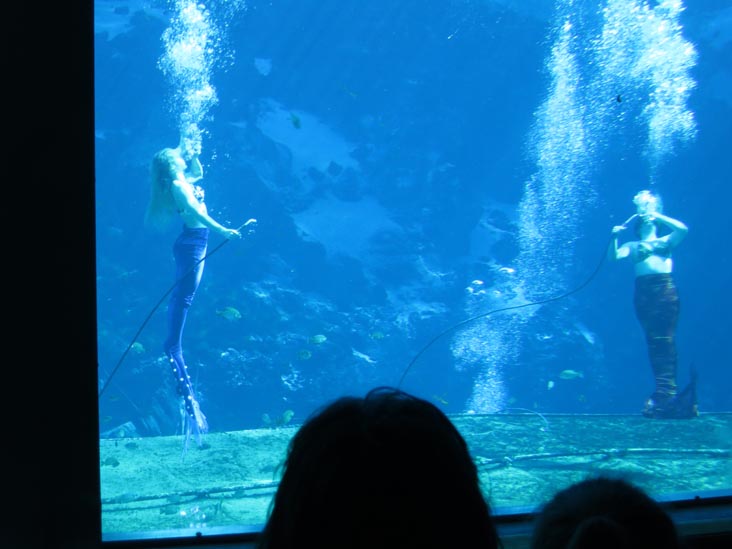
[50,362]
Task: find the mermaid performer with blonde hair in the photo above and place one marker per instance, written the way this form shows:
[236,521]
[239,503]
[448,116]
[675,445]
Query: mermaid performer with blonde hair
[656,301]
[174,193]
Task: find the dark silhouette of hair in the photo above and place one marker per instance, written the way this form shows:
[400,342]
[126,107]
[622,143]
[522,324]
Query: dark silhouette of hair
[603,513]
[388,470]
[639,223]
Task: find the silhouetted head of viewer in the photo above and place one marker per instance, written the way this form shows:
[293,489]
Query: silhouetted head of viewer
[388,470]
[602,513]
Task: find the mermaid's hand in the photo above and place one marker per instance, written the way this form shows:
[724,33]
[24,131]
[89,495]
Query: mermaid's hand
[230,233]
[251,223]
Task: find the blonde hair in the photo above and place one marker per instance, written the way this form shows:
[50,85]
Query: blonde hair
[161,208]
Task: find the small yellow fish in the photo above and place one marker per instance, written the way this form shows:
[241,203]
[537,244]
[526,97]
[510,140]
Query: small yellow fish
[229,313]
[304,354]
[571,374]
[318,339]
[550,385]
[440,400]
[377,335]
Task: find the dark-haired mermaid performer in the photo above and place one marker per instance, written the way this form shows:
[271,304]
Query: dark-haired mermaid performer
[657,301]
[174,194]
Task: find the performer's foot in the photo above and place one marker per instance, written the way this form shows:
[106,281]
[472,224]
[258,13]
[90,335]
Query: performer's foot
[682,406]
[656,405]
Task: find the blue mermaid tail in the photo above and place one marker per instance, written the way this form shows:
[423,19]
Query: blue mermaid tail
[194,420]
[192,425]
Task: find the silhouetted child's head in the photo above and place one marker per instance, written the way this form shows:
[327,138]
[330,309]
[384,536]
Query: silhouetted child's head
[387,470]
[603,513]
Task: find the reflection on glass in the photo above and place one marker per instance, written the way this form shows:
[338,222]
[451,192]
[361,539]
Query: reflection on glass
[437,189]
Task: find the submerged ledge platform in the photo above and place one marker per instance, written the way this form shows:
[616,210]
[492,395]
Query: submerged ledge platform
[150,487]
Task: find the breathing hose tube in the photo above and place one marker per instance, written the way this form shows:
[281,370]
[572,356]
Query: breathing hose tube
[512,307]
[157,305]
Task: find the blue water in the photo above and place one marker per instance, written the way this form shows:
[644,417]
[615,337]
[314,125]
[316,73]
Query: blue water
[411,165]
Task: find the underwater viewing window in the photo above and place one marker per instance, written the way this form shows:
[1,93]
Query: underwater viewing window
[512,209]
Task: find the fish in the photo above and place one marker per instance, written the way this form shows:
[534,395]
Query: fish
[304,354]
[286,417]
[590,337]
[263,66]
[137,348]
[362,356]
[318,339]
[295,121]
[550,385]
[571,374]
[229,313]
[111,462]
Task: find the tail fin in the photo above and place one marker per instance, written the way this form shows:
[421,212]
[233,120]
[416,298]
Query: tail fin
[194,423]
[685,404]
